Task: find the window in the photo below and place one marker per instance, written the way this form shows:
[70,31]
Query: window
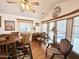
[61,30]
[51,25]
[44,27]
[24,26]
[75,34]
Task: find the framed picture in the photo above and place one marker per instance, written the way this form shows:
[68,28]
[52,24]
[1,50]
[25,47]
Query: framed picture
[36,24]
[9,25]
[0,21]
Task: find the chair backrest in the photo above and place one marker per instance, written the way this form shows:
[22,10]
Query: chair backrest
[65,46]
[43,34]
[25,38]
[15,33]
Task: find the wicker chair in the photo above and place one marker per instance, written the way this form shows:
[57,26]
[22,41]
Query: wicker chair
[64,49]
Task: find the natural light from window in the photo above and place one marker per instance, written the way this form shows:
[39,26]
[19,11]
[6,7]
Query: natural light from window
[51,25]
[75,35]
[25,27]
[44,27]
[61,30]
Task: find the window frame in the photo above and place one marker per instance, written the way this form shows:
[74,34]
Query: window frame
[25,21]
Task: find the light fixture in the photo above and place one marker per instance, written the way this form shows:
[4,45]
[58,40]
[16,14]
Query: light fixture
[25,5]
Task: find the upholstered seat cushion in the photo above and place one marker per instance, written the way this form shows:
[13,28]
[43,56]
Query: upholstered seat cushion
[50,51]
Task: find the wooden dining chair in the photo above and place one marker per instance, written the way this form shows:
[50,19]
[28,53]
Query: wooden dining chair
[15,33]
[44,37]
[24,48]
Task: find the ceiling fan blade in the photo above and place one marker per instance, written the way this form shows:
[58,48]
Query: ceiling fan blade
[35,3]
[13,2]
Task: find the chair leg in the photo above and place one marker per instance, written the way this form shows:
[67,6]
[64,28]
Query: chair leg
[52,56]
[65,57]
[46,53]
[30,52]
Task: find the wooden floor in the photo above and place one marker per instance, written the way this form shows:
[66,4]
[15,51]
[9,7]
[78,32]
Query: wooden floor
[37,50]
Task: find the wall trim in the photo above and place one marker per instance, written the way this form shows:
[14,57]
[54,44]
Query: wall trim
[24,20]
[68,14]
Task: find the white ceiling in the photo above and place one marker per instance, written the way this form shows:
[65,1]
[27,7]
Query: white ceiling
[42,10]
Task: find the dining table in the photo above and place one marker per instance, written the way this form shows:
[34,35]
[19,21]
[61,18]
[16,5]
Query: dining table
[7,41]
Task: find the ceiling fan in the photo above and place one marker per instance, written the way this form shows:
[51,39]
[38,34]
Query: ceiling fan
[24,4]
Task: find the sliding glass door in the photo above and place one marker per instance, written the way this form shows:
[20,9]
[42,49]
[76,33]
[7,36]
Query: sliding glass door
[75,34]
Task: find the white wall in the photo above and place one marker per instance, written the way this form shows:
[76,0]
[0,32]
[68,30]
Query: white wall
[6,17]
[67,6]
[14,18]
[38,28]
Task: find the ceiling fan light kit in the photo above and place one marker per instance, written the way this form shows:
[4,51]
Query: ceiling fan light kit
[22,6]
[25,5]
